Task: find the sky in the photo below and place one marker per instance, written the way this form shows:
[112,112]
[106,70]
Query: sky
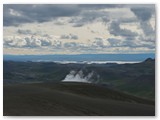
[37,29]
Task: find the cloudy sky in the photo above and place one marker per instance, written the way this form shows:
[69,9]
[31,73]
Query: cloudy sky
[78,29]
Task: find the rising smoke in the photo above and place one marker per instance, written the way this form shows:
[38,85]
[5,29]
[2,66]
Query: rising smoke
[78,76]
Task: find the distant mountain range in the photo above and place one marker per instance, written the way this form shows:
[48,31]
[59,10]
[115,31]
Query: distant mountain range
[80,57]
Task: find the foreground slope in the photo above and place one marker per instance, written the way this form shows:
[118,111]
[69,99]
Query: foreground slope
[67,99]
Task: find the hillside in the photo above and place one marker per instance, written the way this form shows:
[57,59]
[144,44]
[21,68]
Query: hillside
[69,98]
[137,79]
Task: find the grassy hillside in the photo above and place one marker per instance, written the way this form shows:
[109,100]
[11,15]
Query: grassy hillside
[137,79]
[67,99]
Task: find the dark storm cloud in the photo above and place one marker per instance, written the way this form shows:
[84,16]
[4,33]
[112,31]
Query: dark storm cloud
[143,13]
[29,13]
[117,31]
[36,13]
[147,28]
[128,20]
[9,19]
[89,17]
[99,6]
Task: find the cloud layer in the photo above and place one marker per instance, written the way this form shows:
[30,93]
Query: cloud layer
[18,14]
[80,28]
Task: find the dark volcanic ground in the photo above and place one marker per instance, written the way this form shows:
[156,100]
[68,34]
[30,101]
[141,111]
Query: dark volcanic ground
[72,99]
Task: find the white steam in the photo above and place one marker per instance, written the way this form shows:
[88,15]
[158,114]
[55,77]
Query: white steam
[74,76]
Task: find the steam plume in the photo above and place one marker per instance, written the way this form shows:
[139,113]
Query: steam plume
[74,76]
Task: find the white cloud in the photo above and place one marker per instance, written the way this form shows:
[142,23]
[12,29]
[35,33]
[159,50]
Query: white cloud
[14,12]
[27,41]
[100,42]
